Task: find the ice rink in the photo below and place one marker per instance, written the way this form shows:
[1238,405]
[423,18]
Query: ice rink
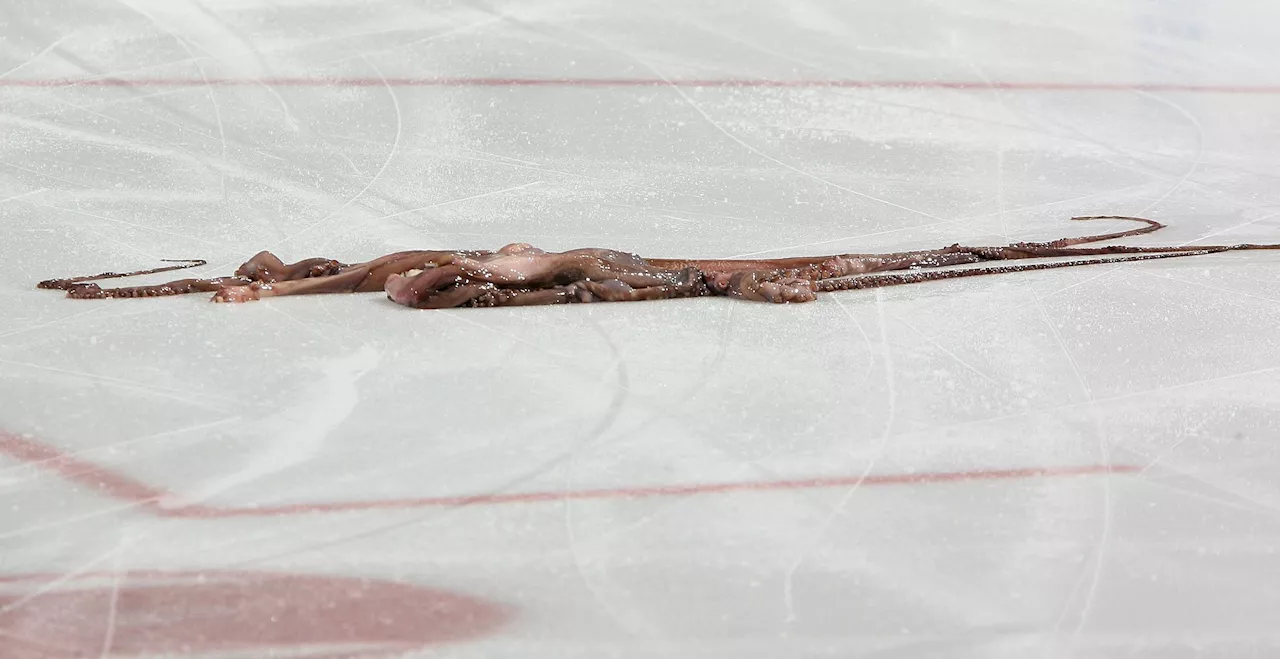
[1070,463]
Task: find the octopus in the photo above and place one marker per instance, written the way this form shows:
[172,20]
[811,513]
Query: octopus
[520,274]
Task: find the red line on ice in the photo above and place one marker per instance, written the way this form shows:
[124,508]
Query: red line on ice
[76,470]
[121,487]
[209,612]
[429,81]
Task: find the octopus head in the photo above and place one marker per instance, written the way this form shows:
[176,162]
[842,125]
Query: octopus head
[520,248]
[718,282]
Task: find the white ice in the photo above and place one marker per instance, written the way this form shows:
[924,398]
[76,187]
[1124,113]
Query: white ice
[351,129]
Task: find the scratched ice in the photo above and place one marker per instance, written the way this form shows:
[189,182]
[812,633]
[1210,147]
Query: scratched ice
[1072,463]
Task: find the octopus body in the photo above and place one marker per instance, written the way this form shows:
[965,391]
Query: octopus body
[520,274]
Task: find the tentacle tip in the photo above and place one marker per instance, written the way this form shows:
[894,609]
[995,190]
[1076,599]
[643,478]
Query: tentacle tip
[1130,218]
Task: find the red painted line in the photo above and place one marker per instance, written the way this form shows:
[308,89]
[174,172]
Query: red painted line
[121,487]
[219,612]
[639,82]
[75,470]
[927,478]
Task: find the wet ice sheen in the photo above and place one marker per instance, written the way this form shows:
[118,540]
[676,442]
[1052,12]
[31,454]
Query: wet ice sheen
[679,478]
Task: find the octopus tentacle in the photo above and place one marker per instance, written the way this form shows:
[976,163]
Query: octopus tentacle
[762,286]
[68,282]
[90,291]
[914,277]
[821,267]
[587,291]
[1152,225]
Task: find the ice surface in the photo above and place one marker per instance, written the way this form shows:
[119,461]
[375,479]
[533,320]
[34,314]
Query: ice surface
[1072,463]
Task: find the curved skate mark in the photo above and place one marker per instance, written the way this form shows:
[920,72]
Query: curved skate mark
[489,19]
[247,53]
[744,144]
[195,60]
[1104,450]
[23,195]
[458,200]
[391,155]
[150,498]
[45,51]
[891,417]
[296,433]
[1196,159]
